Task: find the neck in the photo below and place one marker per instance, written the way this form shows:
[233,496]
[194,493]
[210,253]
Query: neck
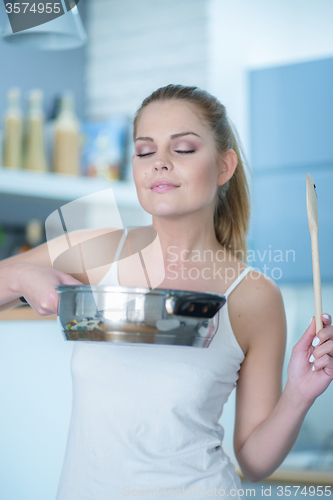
[183,236]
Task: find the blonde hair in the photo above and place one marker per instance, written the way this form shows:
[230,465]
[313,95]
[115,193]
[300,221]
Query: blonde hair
[232,209]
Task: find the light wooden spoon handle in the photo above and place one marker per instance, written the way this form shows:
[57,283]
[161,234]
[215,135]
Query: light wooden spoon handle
[316,281]
[312,209]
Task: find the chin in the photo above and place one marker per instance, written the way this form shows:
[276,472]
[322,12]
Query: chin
[160,209]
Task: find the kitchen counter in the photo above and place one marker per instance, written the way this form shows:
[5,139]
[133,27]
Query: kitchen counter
[298,477]
[24,313]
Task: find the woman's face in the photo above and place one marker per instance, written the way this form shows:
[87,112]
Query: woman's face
[174,166]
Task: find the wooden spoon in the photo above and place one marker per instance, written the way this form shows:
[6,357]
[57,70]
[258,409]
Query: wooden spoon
[312,209]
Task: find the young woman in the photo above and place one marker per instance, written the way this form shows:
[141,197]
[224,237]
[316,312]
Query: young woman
[145,417]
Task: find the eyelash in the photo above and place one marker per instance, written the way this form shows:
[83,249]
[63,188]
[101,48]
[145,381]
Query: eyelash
[177,151]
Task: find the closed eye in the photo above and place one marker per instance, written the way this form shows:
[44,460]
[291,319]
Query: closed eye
[176,150]
[190,151]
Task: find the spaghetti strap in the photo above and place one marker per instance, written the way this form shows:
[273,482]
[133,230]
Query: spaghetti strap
[237,281]
[111,277]
[121,244]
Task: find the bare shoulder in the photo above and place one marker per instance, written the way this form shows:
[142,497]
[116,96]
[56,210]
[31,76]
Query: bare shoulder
[255,303]
[257,291]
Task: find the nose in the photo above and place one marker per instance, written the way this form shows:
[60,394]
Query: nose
[161,166]
[162,162]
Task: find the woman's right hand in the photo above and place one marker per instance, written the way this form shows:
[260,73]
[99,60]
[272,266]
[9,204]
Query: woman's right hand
[37,285]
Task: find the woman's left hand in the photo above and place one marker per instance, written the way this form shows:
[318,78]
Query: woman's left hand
[311,382]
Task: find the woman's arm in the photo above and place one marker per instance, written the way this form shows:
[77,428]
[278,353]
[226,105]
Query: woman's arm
[8,296]
[11,267]
[267,420]
[26,273]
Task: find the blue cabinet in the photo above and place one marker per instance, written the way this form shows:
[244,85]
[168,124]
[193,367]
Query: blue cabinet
[291,109]
[279,234]
[291,135]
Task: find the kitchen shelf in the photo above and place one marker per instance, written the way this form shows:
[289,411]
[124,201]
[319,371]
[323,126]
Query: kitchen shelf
[26,195]
[52,186]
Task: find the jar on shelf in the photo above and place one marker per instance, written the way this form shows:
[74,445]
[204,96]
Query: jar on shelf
[12,157]
[35,157]
[66,155]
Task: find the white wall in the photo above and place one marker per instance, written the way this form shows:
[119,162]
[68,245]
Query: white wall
[246,34]
[137,46]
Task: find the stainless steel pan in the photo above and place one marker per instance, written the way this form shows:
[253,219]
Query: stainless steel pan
[137,315]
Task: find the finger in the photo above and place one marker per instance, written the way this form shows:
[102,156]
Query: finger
[323,335]
[326,363]
[325,348]
[305,341]
[327,319]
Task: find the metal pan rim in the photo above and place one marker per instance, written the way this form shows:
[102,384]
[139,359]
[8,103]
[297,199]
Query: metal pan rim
[130,290]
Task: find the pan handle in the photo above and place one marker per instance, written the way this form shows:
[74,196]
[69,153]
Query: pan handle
[196,305]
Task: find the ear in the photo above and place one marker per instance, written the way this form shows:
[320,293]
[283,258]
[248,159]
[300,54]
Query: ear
[228,166]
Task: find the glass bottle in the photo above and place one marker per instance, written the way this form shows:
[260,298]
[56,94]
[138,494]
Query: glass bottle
[13,131]
[35,157]
[66,138]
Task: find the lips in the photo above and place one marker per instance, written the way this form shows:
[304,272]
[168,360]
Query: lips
[163,185]
[163,182]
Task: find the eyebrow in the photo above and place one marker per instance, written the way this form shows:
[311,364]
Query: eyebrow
[173,136]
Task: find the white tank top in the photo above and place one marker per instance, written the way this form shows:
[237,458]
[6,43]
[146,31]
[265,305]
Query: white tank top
[145,418]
